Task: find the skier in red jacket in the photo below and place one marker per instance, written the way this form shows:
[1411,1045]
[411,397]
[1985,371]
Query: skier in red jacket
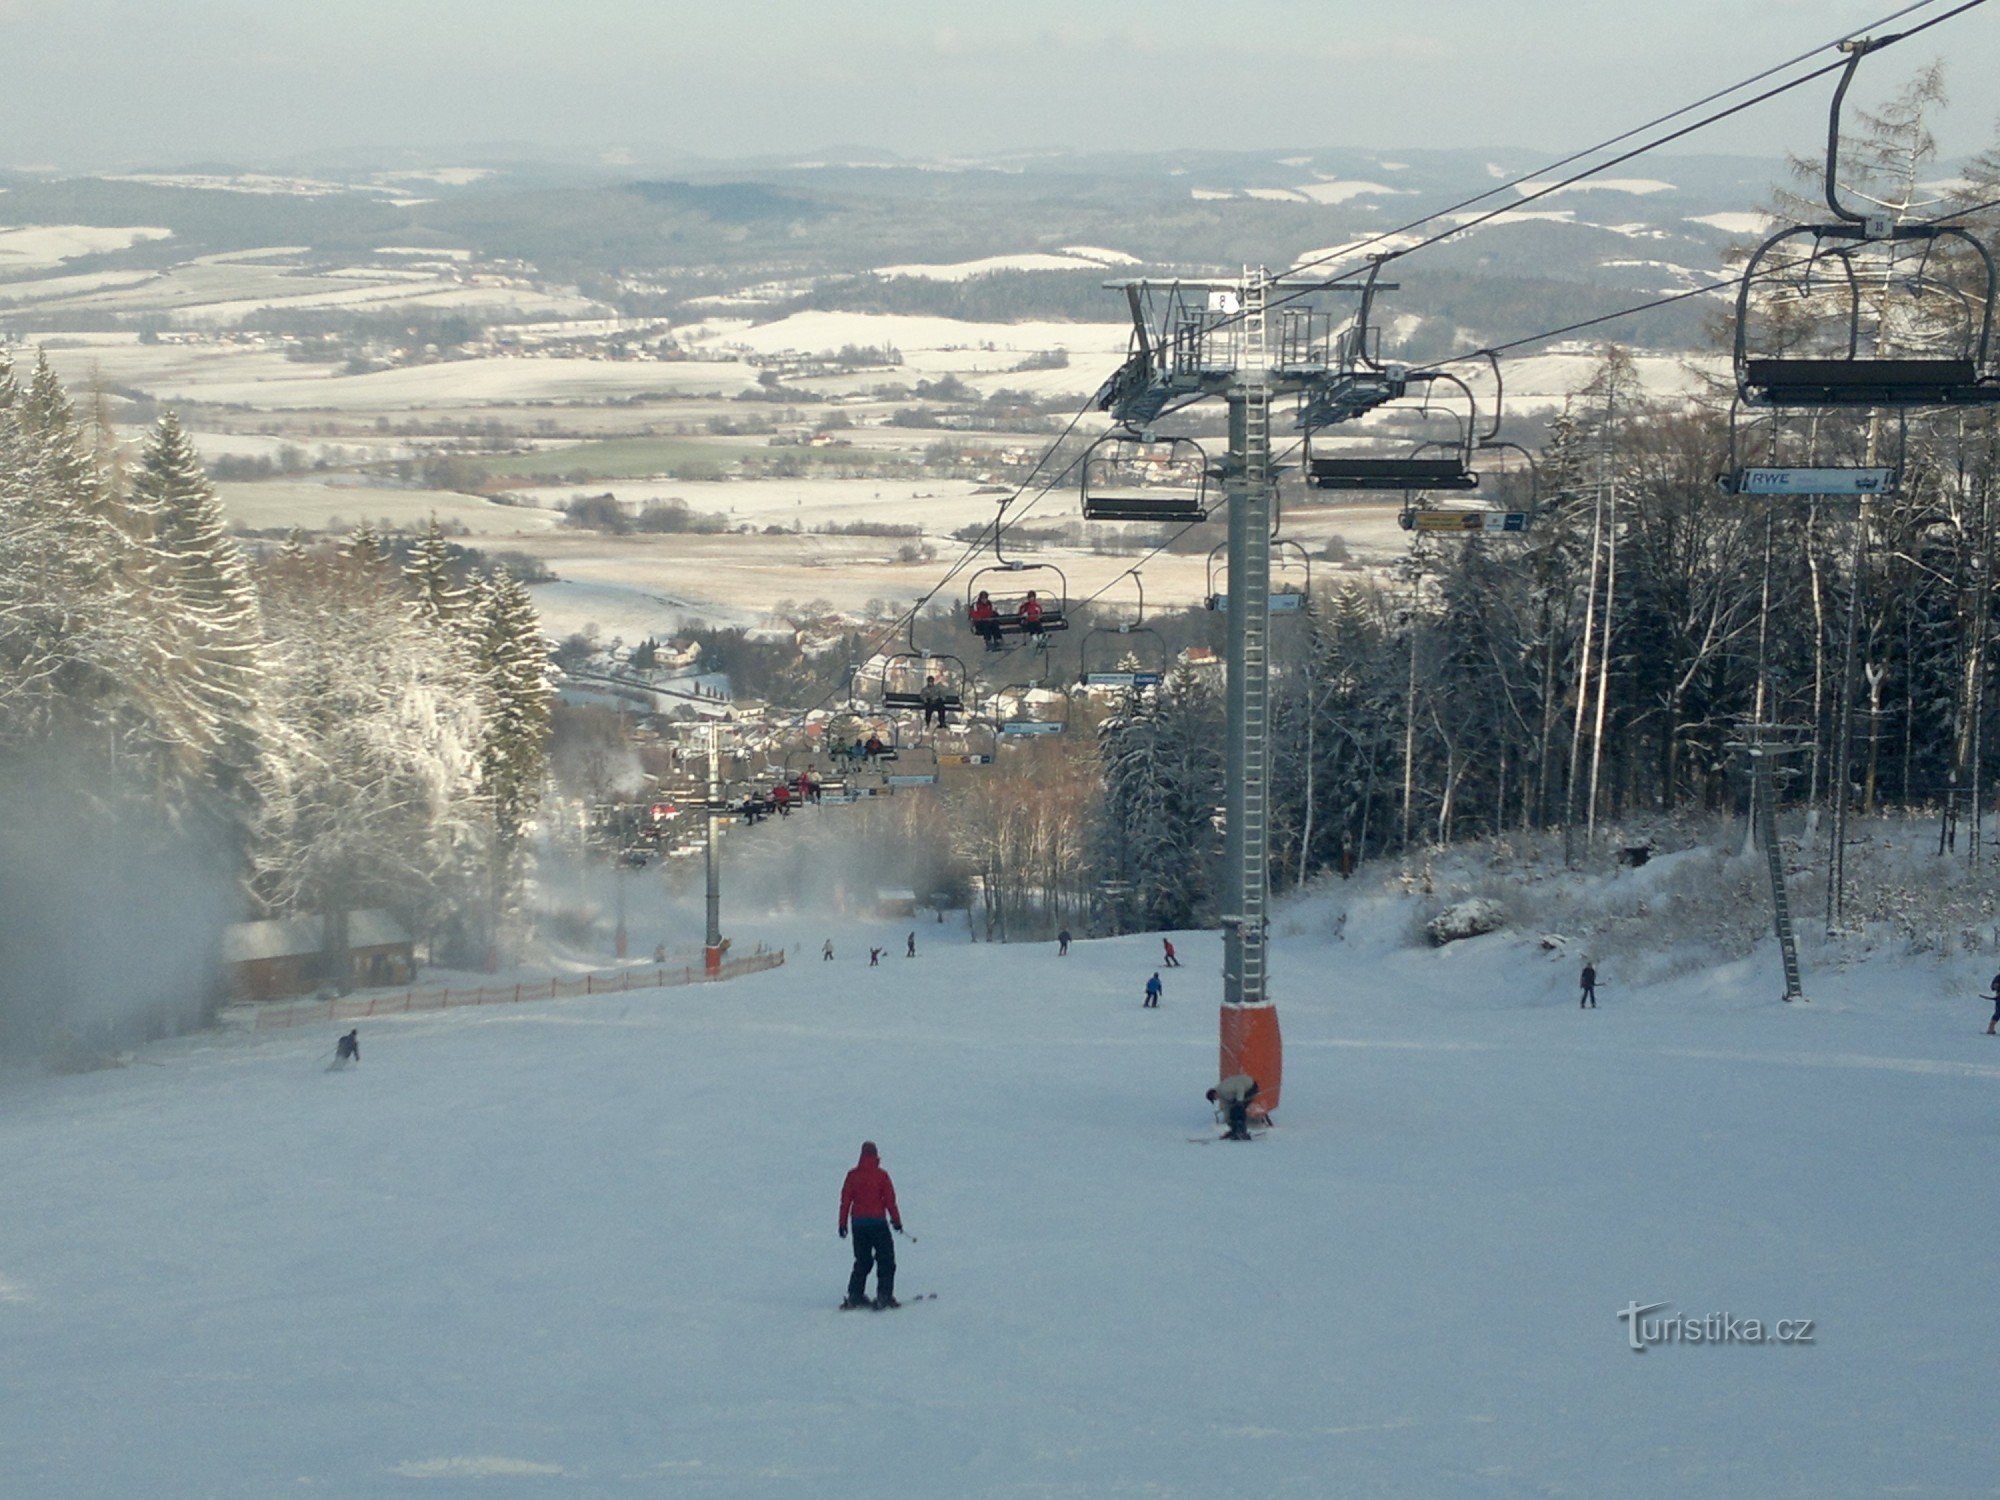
[869,1197]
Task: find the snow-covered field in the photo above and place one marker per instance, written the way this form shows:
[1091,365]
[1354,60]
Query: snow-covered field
[316,505]
[588,1247]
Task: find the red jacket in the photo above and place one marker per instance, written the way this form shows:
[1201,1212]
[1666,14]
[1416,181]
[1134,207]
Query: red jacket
[1030,611]
[868,1193]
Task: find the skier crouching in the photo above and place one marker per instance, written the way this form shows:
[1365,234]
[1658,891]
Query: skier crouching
[870,1198]
[1233,1096]
[348,1048]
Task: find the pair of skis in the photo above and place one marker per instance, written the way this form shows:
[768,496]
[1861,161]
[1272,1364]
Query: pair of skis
[901,1302]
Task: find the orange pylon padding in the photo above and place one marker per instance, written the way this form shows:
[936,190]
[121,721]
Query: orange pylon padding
[1251,1044]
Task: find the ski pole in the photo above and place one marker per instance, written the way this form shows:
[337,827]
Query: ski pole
[910,1237]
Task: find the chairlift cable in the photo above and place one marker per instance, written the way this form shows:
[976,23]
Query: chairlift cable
[1619,160]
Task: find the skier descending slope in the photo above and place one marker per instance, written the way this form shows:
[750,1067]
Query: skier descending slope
[870,1197]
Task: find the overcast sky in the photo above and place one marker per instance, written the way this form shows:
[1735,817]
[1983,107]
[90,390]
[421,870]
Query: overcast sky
[130,82]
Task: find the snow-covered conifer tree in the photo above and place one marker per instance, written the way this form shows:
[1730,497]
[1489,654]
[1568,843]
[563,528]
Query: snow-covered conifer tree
[210,627]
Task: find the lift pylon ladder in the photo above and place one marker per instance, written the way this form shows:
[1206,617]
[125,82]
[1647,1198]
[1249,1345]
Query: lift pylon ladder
[1764,794]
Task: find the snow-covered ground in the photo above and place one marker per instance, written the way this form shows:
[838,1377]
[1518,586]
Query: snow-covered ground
[588,1247]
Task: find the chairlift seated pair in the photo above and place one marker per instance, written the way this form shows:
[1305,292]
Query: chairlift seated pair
[1031,613]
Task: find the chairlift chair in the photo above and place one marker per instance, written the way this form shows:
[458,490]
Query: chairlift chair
[1132,476]
[905,674]
[1843,376]
[965,752]
[1132,637]
[1291,578]
[1799,461]
[1430,464]
[1024,722]
[1504,518]
[917,768]
[1006,617]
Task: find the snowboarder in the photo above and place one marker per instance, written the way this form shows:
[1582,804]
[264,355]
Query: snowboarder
[1172,962]
[1995,998]
[826,951]
[1589,986]
[1062,943]
[1232,1096]
[348,1048]
[911,950]
[870,1197]
[1153,992]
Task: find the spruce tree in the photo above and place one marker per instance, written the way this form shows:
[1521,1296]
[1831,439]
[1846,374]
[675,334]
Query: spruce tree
[441,598]
[212,629]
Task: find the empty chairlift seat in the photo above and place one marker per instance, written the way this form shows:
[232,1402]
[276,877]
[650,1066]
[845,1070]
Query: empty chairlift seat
[1339,473]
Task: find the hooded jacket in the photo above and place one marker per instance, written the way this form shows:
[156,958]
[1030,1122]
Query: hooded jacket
[868,1193]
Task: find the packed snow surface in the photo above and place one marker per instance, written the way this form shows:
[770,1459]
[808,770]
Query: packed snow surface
[588,1247]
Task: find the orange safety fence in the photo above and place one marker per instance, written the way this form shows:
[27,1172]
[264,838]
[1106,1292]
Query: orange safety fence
[270,1016]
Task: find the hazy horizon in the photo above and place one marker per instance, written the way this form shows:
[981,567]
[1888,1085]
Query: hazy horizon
[233,81]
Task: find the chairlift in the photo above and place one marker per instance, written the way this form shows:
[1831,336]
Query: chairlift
[1840,375]
[1805,458]
[1133,476]
[918,767]
[906,674]
[1505,518]
[1127,638]
[1429,464]
[1291,578]
[995,616]
[852,727]
[1023,721]
[961,749]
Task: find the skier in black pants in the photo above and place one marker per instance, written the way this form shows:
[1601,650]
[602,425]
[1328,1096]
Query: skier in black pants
[1152,992]
[1995,998]
[1589,986]
[911,951]
[870,1197]
[1233,1096]
[348,1048]
[1062,943]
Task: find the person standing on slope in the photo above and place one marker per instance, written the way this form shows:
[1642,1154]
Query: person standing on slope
[869,1198]
[1589,979]
[1062,943]
[1171,961]
[911,951]
[1995,998]
[1153,992]
[826,951]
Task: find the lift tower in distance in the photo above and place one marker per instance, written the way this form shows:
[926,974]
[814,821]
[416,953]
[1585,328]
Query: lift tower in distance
[1253,342]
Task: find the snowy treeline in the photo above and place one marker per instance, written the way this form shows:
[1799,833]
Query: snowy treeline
[313,734]
[1604,665]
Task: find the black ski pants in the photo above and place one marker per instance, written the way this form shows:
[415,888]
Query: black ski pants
[873,1246]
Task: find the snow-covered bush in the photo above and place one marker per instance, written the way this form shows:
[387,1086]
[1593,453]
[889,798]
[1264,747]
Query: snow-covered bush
[1464,919]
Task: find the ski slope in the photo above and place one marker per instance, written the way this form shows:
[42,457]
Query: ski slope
[587,1248]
